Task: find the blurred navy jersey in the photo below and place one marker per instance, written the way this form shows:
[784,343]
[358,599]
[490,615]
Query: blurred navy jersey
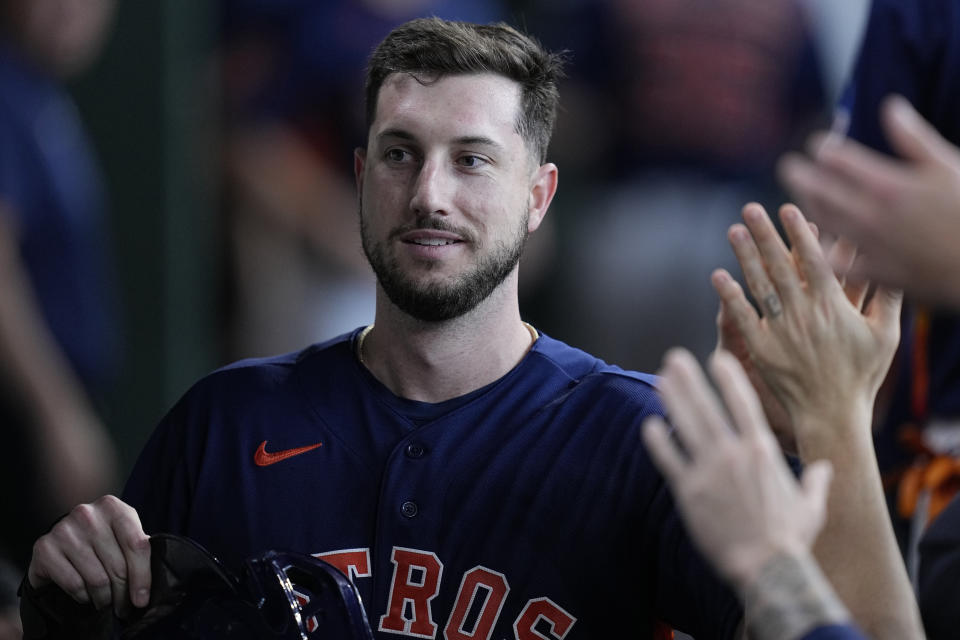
[912,47]
[525,507]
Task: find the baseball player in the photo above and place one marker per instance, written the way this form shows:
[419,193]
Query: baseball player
[475,478]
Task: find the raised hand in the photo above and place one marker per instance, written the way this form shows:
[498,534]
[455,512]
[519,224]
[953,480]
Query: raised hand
[822,346]
[741,503]
[818,349]
[903,214]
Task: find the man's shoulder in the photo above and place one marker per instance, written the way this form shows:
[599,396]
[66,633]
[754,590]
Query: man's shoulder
[578,364]
[592,376]
[260,374]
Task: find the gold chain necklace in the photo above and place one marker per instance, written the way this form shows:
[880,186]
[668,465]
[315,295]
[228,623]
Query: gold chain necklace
[360,339]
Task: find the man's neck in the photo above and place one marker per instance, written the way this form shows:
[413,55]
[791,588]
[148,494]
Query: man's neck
[436,361]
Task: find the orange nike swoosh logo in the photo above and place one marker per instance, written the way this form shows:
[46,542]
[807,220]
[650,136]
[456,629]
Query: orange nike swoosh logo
[263,458]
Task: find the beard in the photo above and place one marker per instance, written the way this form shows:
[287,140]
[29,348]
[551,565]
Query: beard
[439,301]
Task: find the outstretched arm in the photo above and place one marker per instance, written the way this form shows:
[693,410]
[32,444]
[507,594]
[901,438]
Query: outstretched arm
[741,504]
[823,350]
[903,214]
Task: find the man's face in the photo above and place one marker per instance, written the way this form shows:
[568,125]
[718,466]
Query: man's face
[445,191]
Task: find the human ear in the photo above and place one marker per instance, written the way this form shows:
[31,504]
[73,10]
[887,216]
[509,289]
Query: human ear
[543,186]
[359,160]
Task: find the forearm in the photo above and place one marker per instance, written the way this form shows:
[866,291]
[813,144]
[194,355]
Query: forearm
[857,548]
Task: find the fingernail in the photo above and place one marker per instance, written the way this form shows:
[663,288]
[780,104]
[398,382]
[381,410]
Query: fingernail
[753,214]
[739,232]
[789,214]
[142,597]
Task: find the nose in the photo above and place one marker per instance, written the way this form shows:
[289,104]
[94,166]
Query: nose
[431,187]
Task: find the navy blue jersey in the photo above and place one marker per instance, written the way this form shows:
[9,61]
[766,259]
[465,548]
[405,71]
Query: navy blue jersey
[526,507]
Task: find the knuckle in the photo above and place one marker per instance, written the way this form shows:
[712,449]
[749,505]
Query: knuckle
[43,548]
[85,515]
[111,504]
[99,582]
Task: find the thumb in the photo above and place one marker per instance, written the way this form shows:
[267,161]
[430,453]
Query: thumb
[909,134]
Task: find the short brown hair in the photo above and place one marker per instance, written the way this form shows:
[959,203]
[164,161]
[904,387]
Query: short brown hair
[432,46]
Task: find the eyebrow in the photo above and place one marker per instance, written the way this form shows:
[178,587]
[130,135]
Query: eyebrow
[466,140]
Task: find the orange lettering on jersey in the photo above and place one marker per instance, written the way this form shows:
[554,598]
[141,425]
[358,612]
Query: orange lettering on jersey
[416,581]
[478,583]
[354,563]
[539,609]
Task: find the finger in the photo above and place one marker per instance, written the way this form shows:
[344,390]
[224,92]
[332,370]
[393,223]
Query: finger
[49,564]
[726,328]
[858,165]
[809,255]
[775,256]
[693,407]
[841,254]
[738,394]
[114,563]
[884,311]
[100,538]
[735,312]
[856,289]
[78,537]
[665,454]
[135,546]
[836,205]
[754,272]
[96,580]
[910,135]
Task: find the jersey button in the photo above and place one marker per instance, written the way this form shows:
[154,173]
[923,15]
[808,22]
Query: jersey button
[409,509]
[415,451]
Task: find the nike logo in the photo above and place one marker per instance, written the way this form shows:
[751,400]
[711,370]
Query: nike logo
[263,458]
